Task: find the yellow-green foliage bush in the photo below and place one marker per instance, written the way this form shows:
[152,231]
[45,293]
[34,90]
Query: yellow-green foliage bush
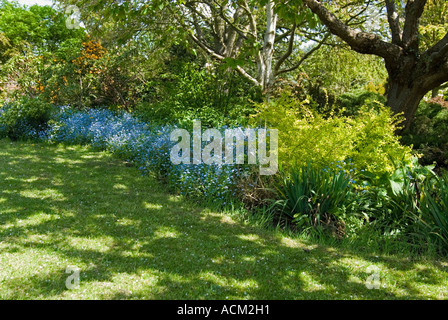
[367,139]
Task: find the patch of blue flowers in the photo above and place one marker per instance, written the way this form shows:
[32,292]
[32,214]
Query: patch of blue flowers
[145,145]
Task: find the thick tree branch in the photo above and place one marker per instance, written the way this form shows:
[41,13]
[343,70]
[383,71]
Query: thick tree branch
[232,36]
[265,67]
[439,52]
[252,20]
[288,52]
[305,56]
[436,78]
[247,76]
[394,22]
[197,28]
[414,10]
[218,29]
[240,31]
[362,42]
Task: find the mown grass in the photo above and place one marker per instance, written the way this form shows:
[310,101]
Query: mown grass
[71,206]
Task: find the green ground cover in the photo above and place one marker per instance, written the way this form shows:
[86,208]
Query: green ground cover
[72,206]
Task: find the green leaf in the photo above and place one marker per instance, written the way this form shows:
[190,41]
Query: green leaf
[122,13]
[398,175]
[396,187]
[232,62]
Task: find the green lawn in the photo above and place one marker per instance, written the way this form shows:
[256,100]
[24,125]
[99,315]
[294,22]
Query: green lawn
[72,206]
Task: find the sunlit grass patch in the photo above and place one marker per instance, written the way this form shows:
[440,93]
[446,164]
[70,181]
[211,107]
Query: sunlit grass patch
[131,239]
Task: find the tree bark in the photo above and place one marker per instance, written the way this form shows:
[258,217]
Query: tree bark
[266,76]
[410,78]
[404,99]
[221,29]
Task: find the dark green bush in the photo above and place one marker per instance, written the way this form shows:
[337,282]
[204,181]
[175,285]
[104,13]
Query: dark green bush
[390,201]
[411,201]
[25,118]
[351,102]
[432,220]
[428,134]
[214,95]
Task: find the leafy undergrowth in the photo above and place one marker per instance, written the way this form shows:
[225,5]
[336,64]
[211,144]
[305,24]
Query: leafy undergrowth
[73,207]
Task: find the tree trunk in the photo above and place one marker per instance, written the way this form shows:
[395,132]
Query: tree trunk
[265,68]
[412,71]
[410,78]
[402,98]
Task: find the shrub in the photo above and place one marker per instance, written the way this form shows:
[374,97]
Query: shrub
[320,99]
[349,202]
[391,200]
[367,138]
[3,128]
[312,197]
[349,103]
[215,95]
[428,135]
[432,220]
[26,118]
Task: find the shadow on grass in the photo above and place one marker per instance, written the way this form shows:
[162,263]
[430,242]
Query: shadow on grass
[72,206]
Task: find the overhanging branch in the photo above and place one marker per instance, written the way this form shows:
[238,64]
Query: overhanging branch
[305,56]
[362,42]
[439,52]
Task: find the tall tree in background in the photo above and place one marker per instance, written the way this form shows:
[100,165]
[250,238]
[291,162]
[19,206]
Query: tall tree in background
[29,37]
[233,27]
[260,39]
[413,69]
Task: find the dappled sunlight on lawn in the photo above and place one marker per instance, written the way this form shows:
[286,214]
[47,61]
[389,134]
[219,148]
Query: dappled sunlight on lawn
[72,206]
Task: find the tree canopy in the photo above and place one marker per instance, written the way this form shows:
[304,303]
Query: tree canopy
[414,66]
